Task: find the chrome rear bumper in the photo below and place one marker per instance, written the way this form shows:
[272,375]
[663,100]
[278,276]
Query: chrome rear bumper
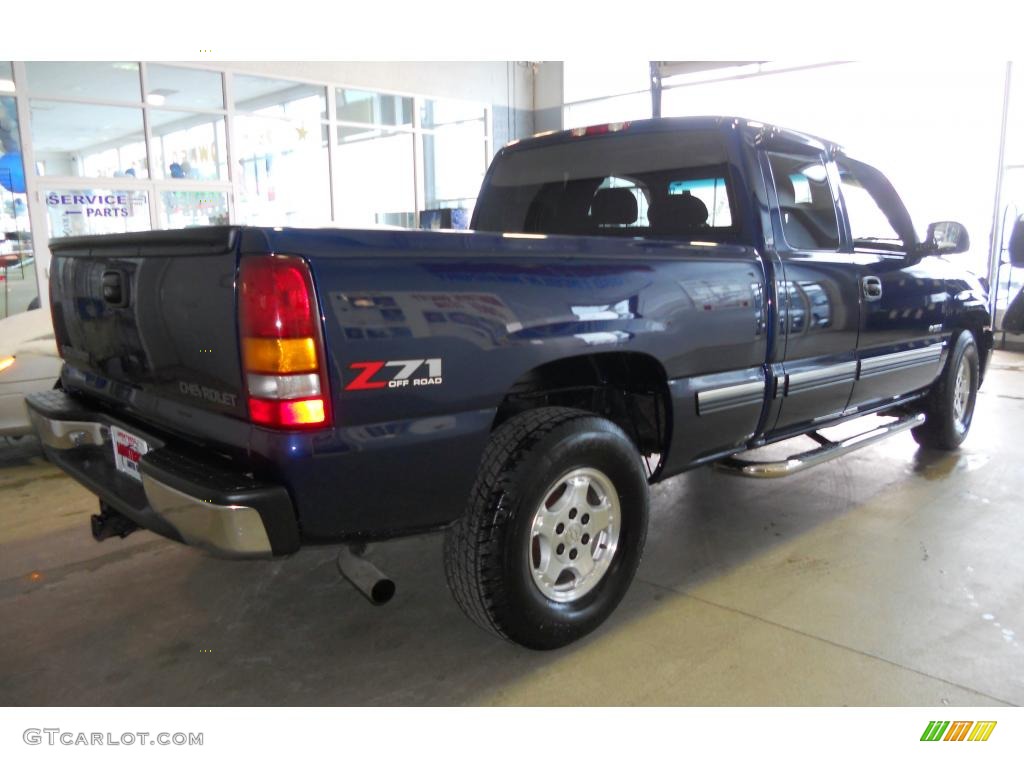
[222,512]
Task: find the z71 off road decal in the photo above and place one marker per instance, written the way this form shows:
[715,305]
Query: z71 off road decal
[378,374]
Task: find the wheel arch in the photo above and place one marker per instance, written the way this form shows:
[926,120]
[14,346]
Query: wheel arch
[628,388]
[976,323]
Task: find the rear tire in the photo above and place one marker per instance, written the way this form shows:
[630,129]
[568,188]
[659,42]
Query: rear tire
[949,407]
[554,529]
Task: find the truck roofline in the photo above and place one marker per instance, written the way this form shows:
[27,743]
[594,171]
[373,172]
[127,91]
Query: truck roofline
[658,124]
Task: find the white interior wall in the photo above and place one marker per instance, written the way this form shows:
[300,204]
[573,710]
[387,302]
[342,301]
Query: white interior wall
[548,95]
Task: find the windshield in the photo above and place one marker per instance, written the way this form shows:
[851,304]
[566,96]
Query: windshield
[674,185]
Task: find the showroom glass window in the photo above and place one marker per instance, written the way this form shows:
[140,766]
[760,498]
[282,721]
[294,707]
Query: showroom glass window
[126,147]
[73,138]
[282,172]
[605,90]
[375,159]
[129,146]
[188,134]
[1011,280]
[454,155]
[87,123]
[405,161]
[186,123]
[18,290]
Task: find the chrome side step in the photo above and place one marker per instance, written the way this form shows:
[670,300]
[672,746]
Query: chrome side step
[764,470]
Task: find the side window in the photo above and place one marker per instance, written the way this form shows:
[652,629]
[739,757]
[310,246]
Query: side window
[806,206]
[868,223]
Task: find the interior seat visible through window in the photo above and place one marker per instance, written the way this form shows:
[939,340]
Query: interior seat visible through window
[797,224]
[677,215]
[613,207]
[806,204]
[665,184]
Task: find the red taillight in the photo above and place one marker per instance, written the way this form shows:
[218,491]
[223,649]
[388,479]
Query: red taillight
[282,348]
[276,298]
[288,413]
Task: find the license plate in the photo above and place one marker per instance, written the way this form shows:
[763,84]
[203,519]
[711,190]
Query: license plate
[128,449]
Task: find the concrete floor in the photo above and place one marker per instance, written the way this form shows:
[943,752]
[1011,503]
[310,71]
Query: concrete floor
[892,576]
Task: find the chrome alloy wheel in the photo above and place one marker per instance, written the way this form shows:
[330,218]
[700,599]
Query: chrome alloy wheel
[574,534]
[961,395]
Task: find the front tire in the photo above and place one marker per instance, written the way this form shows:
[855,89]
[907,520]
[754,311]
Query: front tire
[949,407]
[554,529]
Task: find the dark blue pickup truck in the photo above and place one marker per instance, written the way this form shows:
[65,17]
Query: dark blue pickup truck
[636,300]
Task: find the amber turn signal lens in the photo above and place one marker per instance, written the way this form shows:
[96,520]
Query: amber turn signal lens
[279,355]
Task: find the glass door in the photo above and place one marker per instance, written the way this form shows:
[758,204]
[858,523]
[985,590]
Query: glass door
[18,289]
[181,206]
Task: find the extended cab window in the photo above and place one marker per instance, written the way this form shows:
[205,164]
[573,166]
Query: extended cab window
[674,184]
[806,206]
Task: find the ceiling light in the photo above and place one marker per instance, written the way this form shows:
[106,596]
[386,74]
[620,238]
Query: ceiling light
[6,85]
[155,99]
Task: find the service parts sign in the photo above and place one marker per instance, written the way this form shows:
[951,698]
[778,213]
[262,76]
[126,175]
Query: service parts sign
[97,212]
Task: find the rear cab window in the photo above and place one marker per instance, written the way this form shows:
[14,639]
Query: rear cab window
[806,204]
[666,185]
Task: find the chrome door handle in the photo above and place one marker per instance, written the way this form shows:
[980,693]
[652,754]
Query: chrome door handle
[872,288]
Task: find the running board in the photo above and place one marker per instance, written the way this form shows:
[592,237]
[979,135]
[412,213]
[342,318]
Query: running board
[764,470]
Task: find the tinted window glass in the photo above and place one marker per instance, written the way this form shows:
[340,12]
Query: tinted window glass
[671,185]
[712,194]
[805,201]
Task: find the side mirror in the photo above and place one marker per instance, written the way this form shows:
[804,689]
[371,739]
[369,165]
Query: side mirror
[1016,246]
[946,237]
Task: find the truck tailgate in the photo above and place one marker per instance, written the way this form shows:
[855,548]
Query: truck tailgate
[147,323]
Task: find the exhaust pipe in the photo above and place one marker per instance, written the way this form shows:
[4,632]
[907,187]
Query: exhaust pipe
[364,575]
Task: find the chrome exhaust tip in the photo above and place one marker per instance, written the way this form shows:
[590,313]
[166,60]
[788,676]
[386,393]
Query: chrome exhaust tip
[364,575]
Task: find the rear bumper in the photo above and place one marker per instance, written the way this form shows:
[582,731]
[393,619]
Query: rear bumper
[199,502]
[13,413]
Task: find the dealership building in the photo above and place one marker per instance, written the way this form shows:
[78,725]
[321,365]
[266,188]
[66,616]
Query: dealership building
[105,147]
